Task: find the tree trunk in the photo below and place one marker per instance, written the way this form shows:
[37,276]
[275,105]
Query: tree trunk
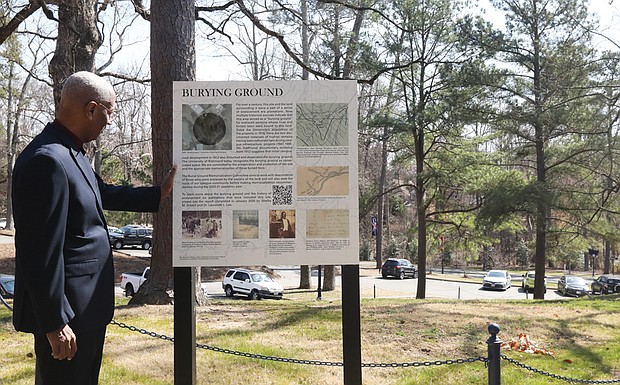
[421,214]
[304,277]
[77,43]
[382,176]
[329,277]
[10,155]
[173,57]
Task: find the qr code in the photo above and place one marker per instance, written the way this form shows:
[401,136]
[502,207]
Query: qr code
[282,195]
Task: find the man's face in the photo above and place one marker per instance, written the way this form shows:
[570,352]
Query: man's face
[102,114]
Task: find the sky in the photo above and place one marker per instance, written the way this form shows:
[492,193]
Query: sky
[211,66]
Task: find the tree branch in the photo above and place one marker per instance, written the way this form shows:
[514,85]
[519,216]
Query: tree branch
[7,30]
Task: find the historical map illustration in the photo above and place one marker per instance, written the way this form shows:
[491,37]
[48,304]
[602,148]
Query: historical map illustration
[323,181]
[322,124]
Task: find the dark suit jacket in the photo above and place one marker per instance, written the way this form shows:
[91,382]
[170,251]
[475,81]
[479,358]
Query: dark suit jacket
[64,272]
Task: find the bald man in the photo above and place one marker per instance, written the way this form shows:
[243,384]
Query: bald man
[64,274]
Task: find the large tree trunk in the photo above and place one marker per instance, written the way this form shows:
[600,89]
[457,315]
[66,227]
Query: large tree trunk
[304,277]
[329,277]
[77,43]
[173,58]
[380,200]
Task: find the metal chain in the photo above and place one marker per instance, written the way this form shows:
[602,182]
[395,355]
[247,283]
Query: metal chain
[425,363]
[556,376]
[298,361]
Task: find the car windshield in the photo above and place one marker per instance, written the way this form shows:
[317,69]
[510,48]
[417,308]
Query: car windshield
[261,278]
[575,280]
[496,274]
[391,263]
[9,285]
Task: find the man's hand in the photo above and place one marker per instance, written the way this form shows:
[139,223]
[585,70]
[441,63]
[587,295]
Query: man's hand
[166,186]
[63,343]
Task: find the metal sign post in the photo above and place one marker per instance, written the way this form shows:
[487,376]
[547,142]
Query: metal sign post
[351,330]
[184,326]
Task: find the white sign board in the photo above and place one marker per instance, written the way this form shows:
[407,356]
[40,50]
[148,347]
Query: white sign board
[267,173]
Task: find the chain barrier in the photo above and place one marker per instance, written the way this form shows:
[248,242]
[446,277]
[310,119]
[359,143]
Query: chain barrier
[556,376]
[299,361]
[364,365]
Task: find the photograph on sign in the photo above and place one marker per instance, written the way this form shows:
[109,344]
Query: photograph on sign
[267,173]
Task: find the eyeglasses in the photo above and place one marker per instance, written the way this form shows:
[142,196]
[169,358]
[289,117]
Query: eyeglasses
[110,111]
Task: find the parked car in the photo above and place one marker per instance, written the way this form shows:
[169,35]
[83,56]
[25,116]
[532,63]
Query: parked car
[606,284]
[131,282]
[132,235]
[399,268]
[573,285]
[254,284]
[7,286]
[497,279]
[528,281]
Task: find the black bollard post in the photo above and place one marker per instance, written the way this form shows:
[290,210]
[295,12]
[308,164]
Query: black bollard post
[494,343]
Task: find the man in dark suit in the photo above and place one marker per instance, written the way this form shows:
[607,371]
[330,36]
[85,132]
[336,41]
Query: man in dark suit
[64,274]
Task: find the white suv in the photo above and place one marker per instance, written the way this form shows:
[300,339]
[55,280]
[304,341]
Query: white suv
[254,284]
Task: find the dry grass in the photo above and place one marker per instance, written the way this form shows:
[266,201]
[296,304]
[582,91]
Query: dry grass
[581,331]
[392,331]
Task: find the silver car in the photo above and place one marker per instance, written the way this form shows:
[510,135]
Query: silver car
[497,279]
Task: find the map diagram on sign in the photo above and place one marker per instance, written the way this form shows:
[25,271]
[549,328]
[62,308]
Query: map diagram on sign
[322,124]
[323,181]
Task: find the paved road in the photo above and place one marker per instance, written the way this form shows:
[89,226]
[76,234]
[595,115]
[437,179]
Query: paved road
[378,287]
[375,286]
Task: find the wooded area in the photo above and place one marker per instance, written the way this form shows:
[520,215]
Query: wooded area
[482,140]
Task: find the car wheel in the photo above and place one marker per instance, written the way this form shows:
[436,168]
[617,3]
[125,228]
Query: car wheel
[617,289]
[146,245]
[415,274]
[117,244]
[229,291]
[254,296]
[129,290]
[401,275]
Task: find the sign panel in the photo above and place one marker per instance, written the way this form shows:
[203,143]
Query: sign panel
[267,173]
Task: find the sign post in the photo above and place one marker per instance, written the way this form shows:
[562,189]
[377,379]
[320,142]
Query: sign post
[184,326]
[351,328]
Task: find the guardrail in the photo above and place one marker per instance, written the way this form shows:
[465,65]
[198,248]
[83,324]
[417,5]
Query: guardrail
[492,361]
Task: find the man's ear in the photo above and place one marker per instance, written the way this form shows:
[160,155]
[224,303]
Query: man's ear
[89,109]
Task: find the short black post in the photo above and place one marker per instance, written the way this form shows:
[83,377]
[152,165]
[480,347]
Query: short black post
[494,343]
[184,326]
[319,289]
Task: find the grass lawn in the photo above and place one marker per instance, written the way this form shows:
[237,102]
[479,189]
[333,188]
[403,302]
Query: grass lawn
[583,333]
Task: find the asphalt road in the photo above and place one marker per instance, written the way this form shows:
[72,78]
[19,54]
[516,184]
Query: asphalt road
[378,287]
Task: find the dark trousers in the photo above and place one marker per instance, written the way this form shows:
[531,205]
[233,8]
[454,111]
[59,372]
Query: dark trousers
[83,369]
